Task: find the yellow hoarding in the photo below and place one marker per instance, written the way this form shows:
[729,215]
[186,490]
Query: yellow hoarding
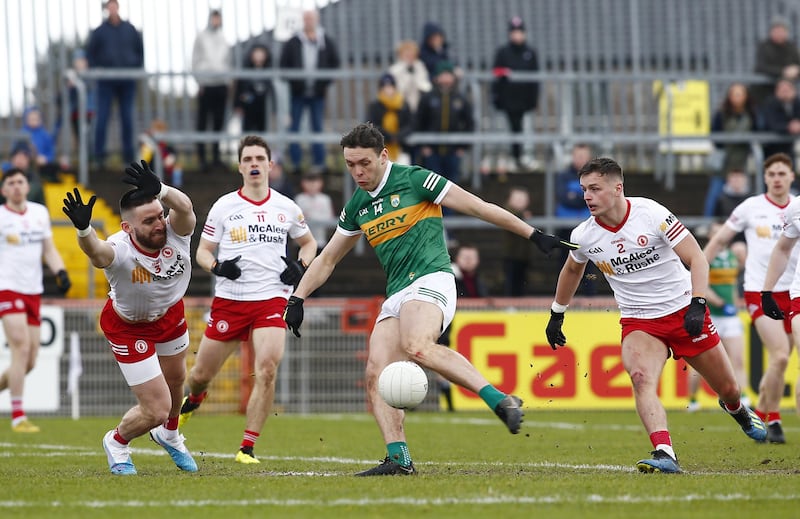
[510,349]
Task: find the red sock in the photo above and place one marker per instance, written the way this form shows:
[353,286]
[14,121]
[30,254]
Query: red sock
[16,408]
[773,417]
[120,439]
[171,424]
[761,414]
[660,438]
[733,407]
[249,439]
[196,399]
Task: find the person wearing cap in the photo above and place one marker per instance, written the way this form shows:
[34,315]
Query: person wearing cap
[515,98]
[390,113]
[777,57]
[444,110]
[211,54]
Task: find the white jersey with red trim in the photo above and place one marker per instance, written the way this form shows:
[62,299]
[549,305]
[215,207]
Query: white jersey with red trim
[762,222]
[258,232]
[792,230]
[144,285]
[647,276]
[22,237]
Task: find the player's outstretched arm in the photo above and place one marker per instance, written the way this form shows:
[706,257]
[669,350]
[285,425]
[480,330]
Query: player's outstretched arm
[568,280]
[80,214]
[464,202]
[181,217]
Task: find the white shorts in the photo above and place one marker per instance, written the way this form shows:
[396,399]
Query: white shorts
[438,288]
[149,368]
[728,325]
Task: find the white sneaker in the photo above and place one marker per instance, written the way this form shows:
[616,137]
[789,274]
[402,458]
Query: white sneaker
[119,456]
[175,448]
[745,401]
[693,406]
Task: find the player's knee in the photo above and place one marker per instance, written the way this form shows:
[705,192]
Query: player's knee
[640,379]
[200,376]
[266,369]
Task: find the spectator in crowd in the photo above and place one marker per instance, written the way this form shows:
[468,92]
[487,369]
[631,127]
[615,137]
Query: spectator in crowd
[21,157]
[515,98]
[737,114]
[391,115]
[115,44]
[316,205]
[44,142]
[777,57]
[254,97]
[781,114]
[311,49]
[79,64]
[148,266]
[211,54]
[278,179]
[410,74]
[434,48]
[442,110]
[515,256]
[172,169]
[469,284]
[25,240]
[244,245]
[735,191]
[723,301]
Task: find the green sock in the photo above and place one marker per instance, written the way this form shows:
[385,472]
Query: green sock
[398,452]
[491,395]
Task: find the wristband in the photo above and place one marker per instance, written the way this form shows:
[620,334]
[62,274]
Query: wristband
[83,233]
[164,190]
[558,308]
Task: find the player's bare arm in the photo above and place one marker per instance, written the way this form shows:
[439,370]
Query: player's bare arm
[100,253]
[181,215]
[690,253]
[568,280]
[51,256]
[308,248]
[206,254]
[778,261]
[718,242]
[322,266]
[467,203]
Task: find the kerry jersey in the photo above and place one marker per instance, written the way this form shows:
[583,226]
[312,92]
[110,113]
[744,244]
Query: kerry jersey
[402,221]
[636,257]
[22,237]
[257,231]
[145,285]
[723,274]
[762,222]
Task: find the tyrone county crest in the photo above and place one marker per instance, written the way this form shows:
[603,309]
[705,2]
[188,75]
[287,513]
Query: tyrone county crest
[394,200]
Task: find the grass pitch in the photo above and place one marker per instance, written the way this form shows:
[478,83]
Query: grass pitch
[561,464]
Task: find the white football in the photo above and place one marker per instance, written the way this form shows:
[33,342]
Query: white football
[403,384]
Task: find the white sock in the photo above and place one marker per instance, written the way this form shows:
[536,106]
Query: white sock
[666,448]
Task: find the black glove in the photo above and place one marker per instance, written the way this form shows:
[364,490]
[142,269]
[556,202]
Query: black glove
[294,314]
[147,183]
[770,307]
[294,271]
[63,282]
[553,331]
[695,316]
[548,242]
[227,268]
[77,211]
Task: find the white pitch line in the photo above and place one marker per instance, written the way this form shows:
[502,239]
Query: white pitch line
[408,501]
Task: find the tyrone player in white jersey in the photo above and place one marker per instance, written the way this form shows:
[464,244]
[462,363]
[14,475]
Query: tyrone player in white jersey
[641,248]
[248,231]
[25,239]
[148,265]
[762,219]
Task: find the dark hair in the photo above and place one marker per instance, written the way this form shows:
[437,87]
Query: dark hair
[778,157]
[254,140]
[128,202]
[12,173]
[365,135]
[602,166]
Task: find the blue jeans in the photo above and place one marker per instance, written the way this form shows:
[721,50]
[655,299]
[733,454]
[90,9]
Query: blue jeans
[316,106]
[124,91]
[447,165]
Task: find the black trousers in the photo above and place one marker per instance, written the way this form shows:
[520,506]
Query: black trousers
[211,103]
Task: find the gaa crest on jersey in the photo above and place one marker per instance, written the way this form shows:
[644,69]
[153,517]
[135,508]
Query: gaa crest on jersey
[642,240]
[167,252]
[282,218]
[140,346]
[394,200]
